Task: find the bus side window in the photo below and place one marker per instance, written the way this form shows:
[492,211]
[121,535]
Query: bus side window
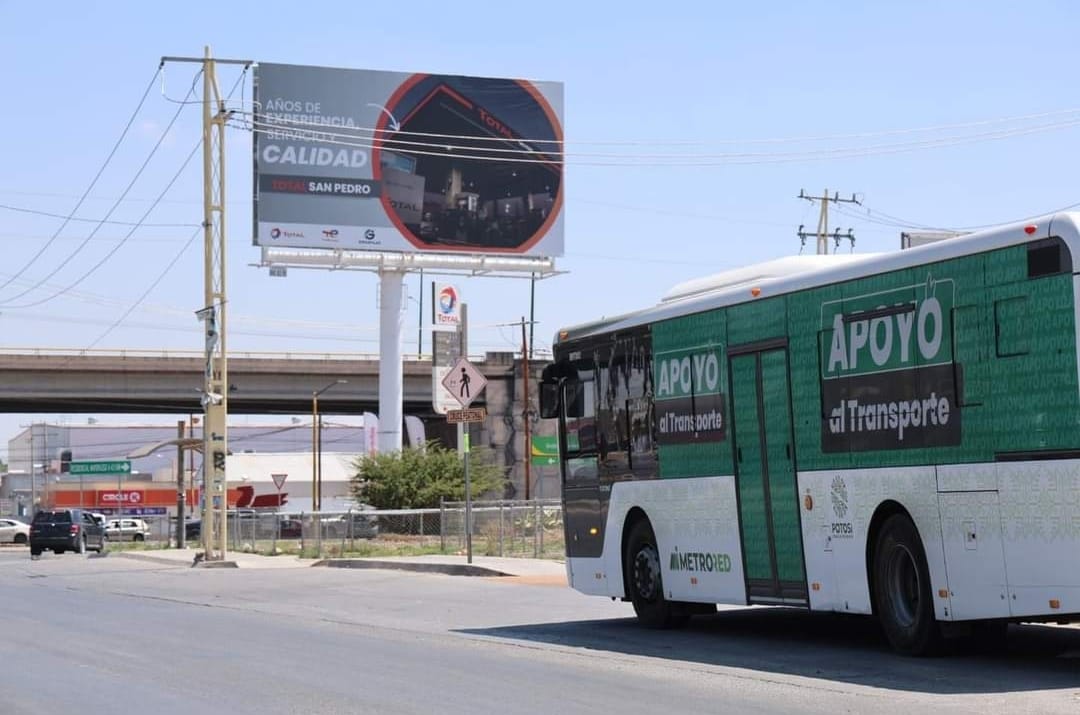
[579,404]
[549,400]
[575,399]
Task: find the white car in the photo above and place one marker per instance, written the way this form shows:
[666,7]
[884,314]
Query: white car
[127,530]
[13,531]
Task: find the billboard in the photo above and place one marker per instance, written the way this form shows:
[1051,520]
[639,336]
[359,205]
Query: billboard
[391,161]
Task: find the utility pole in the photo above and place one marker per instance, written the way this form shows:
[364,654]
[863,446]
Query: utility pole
[822,232]
[181,490]
[525,412]
[33,476]
[215,502]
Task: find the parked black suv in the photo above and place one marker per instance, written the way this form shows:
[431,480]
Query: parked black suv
[66,530]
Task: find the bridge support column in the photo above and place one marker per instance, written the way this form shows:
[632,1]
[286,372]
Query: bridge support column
[391,372]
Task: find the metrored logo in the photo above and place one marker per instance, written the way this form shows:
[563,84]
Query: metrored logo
[124,497]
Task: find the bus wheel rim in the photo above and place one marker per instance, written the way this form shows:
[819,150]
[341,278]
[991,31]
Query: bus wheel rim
[903,586]
[647,572]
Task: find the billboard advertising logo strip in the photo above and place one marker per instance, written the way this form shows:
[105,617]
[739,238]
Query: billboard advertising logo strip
[319,186]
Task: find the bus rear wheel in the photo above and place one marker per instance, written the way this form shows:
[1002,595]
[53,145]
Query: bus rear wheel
[641,563]
[902,597]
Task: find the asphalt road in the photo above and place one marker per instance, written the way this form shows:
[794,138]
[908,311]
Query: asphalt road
[81,634]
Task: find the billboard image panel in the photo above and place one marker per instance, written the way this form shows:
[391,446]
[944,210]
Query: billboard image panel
[390,161]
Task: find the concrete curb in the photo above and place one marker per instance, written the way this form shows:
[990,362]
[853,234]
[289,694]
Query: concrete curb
[146,556]
[449,569]
[188,559]
[215,565]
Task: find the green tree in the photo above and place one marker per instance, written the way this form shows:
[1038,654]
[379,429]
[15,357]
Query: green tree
[416,478]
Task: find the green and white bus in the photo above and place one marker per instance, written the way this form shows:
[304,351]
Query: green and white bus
[894,434]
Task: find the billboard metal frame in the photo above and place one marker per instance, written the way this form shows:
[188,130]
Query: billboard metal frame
[500,266]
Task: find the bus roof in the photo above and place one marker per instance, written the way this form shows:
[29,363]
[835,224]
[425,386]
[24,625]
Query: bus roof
[795,273]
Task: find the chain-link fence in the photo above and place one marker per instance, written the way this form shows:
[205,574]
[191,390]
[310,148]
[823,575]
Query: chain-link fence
[531,529]
[160,529]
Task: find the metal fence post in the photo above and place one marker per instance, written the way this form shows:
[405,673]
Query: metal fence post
[442,525]
[501,529]
[537,527]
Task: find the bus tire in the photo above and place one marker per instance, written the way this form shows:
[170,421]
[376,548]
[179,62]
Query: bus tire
[641,562]
[902,596]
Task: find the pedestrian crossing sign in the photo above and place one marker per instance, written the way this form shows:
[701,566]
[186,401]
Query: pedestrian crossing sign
[464,382]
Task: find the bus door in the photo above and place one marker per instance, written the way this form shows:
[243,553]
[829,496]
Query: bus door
[765,474]
[583,517]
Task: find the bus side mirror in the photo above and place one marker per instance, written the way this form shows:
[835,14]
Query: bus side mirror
[549,400]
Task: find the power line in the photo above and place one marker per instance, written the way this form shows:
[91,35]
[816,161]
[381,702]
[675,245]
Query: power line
[652,160]
[93,183]
[22,209]
[109,213]
[154,284]
[281,121]
[897,222]
[183,249]
[677,213]
[93,269]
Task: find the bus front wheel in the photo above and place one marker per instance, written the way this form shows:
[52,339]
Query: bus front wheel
[902,595]
[641,563]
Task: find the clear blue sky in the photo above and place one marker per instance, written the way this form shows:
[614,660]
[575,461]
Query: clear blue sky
[694,77]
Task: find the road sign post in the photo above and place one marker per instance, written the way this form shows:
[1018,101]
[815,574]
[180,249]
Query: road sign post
[279,482]
[465,384]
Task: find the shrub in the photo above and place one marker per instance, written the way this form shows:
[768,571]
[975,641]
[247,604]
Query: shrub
[417,478]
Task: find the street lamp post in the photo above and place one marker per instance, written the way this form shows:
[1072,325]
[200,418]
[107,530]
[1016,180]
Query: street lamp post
[316,446]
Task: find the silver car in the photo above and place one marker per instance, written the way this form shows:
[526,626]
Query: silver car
[13,531]
[127,530]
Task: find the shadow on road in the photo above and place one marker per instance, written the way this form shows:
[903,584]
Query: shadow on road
[848,649]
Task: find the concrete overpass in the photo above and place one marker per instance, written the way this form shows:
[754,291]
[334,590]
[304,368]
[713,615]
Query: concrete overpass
[170,381]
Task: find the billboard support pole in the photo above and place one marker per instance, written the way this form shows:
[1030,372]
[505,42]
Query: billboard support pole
[391,371]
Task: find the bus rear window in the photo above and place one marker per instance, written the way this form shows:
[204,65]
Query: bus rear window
[1048,258]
